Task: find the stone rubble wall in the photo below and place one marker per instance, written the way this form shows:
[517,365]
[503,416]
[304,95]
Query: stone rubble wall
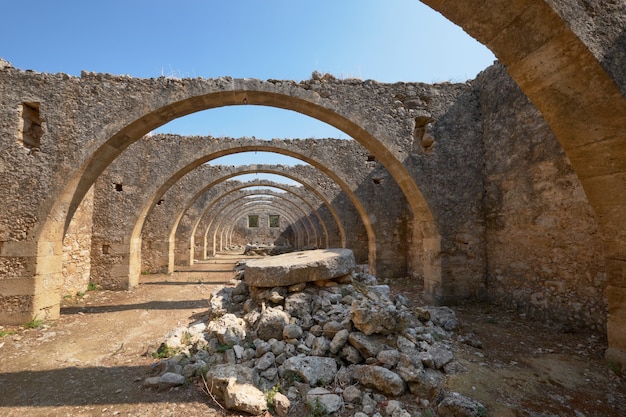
[514,222]
[77,249]
[140,177]
[209,204]
[342,344]
[447,163]
[544,250]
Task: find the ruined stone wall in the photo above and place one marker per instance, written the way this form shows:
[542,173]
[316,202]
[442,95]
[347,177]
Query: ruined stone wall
[447,163]
[260,232]
[77,248]
[77,126]
[140,177]
[544,250]
[206,207]
[263,234]
[600,25]
[56,125]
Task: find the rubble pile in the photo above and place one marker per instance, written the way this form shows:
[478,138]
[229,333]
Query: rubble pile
[340,345]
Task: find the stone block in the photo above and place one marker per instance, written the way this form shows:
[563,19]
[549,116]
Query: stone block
[312,369]
[616,272]
[616,332]
[596,188]
[292,268]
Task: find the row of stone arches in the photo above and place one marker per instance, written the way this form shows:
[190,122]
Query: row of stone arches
[320,229]
[190,188]
[570,71]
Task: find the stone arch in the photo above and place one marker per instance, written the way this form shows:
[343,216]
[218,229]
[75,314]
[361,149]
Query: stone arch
[271,198]
[260,197]
[96,141]
[268,146]
[280,201]
[163,249]
[243,186]
[179,99]
[236,210]
[126,272]
[321,231]
[190,237]
[580,101]
[309,187]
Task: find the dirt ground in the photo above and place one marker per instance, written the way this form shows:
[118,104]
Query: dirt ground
[529,368]
[92,361]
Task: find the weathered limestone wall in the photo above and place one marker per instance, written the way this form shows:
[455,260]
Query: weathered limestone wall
[59,133]
[139,176]
[446,161]
[207,207]
[544,250]
[568,57]
[600,25]
[77,248]
[444,154]
[87,122]
[263,234]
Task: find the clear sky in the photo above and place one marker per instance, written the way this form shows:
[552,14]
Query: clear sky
[388,41]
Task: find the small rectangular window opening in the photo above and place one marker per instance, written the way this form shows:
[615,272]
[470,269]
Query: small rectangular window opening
[253,220]
[119,187]
[274,220]
[30,130]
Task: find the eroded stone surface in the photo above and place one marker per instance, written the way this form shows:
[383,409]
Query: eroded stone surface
[312,369]
[297,267]
[380,378]
[316,355]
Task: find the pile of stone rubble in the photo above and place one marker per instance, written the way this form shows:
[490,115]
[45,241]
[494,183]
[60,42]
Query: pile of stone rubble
[337,342]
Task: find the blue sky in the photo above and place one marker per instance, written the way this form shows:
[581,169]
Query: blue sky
[388,41]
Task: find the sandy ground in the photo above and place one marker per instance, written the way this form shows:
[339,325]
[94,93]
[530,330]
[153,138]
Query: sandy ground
[93,360]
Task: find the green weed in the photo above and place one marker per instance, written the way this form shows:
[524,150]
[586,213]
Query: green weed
[616,368]
[92,286]
[270,397]
[427,413]
[35,323]
[164,351]
[223,348]
[290,377]
[6,333]
[317,409]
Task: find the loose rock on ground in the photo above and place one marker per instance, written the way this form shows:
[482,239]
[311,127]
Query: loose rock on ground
[346,347]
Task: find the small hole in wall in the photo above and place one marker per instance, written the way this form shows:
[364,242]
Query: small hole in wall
[30,130]
[371,158]
[119,187]
[106,249]
[159,202]
[377,181]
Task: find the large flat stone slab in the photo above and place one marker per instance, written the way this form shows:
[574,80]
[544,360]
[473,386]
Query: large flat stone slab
[297,267]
